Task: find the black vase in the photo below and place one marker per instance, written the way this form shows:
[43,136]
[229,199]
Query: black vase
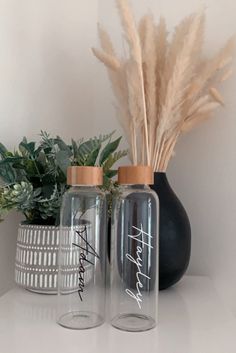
[175,234]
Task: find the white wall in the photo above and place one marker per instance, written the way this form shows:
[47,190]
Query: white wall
[49,80]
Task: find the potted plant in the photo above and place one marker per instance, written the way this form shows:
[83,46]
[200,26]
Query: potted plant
[33,181]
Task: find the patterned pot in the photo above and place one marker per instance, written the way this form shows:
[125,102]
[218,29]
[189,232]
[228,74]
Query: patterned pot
[36,266]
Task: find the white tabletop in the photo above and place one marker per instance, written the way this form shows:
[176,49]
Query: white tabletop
[192,319]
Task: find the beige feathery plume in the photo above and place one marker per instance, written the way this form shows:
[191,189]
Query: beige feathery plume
[120,89]
[198,104]
[181,32]
[142,28]
[132,37]
[191,124]
[196,52]
[202,114]
[226,75]
[176,87]
[209,107]
[162,46]
[170,115]
[108,60]
[118,77]
[162,89]
[149,65]
[105,41]
[130,30]
[198,119]
[135,94]
[148,33]
[211,68]
[177,44]
[120,86]
[168,151]
[135,109]
[216,95]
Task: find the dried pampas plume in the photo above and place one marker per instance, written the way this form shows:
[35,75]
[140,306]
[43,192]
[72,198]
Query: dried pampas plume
[164,88]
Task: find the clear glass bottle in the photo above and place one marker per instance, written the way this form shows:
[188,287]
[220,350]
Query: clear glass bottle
[82,255]
[134,251]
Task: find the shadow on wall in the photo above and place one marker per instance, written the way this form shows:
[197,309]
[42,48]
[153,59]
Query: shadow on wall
[8,234]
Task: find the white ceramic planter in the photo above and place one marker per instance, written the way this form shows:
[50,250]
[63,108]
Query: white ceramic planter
[36,266]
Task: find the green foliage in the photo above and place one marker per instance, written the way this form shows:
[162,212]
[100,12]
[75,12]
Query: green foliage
[33,178]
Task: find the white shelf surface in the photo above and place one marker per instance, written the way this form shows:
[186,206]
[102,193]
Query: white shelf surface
[192,319]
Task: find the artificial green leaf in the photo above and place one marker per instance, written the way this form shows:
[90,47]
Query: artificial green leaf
[92,157]
[74,148]
[42,158]
[3,150]
[10,160]
[113,158]
[111,173]
[47,150]
[37,192]
[108,150]
[86,149]
[8,174]
[63,146]
[47,144]
[18,165]
[30,168]
[16,154]
[48,179]
[9,154]
[27,148]
[106,182]
[88,146]
[47,191]
[63,160]
[103,138]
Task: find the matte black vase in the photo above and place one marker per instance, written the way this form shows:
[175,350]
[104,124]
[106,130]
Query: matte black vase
[175,234]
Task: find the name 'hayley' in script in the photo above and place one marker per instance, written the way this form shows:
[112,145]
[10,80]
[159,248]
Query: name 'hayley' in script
[143,239]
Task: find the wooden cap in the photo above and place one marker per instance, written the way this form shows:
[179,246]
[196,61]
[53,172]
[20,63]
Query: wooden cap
[84,176]
[138,174]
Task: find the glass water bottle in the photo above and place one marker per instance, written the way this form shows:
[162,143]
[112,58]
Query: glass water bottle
[134,251]
[82,255]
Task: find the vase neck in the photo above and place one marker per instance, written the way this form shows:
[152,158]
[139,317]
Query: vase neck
[160,178]
[161,185]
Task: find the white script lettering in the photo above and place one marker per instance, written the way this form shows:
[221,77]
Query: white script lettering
[142,238]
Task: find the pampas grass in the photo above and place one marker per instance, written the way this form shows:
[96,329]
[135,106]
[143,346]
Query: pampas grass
[164,88]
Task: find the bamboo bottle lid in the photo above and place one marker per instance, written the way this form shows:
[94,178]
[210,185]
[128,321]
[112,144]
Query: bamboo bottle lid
[138,174]
[84,176]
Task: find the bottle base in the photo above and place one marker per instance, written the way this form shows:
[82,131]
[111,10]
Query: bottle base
[133,322]
[80,320]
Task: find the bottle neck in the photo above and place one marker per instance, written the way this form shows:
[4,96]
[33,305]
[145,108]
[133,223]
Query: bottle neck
[136,186]
[89,187]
